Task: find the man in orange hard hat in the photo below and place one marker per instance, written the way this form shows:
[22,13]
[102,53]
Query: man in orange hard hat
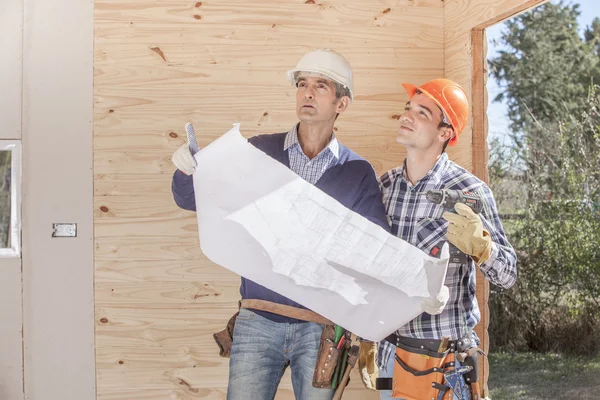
[434,117]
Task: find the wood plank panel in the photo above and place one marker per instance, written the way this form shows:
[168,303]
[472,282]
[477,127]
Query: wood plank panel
[207,394]
[250,106]
[121,358]
[148,227]
[158,161]
[159,64]
[196,383]
[376,117]
[149,293]
[152,206]
[243,78]
[480,14]
[242,3]
[113,271]
[181,99]
[180,393]
[152,140]
[147,249]
[129,32]
[156,314]
[232,56]
[124,184]
[289,13]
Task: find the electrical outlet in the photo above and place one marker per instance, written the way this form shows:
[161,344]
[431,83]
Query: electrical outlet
[64,230]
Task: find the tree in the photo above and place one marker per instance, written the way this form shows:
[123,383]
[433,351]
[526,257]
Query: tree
[546,67]
[556,302]
[548,71]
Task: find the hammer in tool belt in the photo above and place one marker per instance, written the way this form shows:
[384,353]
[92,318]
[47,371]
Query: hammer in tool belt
[350,363]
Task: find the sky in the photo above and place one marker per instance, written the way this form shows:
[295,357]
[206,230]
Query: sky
[497,119]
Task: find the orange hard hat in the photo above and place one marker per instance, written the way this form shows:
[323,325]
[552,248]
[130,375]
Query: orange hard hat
[450,97]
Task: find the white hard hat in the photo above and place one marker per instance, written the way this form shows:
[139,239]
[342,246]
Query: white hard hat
[328,63]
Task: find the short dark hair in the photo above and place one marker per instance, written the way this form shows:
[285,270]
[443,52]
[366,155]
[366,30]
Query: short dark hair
[441,125]
[340,90]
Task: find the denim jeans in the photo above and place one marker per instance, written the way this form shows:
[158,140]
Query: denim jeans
[262,350]
[388,373]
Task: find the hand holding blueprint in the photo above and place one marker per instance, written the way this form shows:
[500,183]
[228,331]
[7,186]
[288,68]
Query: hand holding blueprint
[260,220]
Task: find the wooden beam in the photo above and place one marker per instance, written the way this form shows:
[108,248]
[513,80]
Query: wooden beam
[479,156]
[509,13]
[478,104]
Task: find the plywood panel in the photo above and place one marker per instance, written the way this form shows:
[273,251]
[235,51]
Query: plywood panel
[115,271]
[461,15]
[11,68]
[194,292]
[158,161]
[256,35]
[394,58]
[159,64]
[201,394]
[150,248]
[127,184]
[151,206]
[11,330]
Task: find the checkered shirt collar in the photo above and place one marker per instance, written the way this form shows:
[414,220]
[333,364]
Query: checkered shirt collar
[291,139]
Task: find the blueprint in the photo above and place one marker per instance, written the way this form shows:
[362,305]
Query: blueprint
[259,219]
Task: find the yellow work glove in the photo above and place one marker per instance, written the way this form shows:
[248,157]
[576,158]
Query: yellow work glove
[367,364]
[465,231]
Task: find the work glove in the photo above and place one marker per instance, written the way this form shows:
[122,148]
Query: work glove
[465,231]
[183,160]
[367,364]
[436,306]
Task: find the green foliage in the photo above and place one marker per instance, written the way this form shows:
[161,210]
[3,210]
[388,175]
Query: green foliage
[5,188]
[555,305]
[546,67]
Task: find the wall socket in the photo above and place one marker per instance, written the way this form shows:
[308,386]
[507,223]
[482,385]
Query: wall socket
[64,230]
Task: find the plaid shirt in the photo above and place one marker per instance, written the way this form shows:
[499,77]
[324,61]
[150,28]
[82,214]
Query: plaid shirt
[310,170]
[419,222]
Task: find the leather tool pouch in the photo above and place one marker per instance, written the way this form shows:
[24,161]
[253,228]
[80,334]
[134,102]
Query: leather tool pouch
[328,358]
[419,373]
[224,338]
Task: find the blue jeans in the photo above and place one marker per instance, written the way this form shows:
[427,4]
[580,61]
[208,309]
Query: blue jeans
[389,373]
[262,350]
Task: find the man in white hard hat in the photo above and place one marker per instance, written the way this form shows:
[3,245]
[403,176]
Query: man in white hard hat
[265,343]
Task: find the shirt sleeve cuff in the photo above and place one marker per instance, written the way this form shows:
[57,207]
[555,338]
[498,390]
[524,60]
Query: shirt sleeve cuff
[487,264]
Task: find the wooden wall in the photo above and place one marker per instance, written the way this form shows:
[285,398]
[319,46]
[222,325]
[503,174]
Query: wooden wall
[465,62]
[159,64]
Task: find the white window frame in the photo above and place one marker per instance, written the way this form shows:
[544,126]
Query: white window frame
[14,251]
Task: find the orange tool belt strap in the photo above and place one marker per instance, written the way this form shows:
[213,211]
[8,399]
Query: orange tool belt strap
[286,311]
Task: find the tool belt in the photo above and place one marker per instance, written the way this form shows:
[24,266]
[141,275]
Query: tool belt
[224,338]
[334,360]
[422,366]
